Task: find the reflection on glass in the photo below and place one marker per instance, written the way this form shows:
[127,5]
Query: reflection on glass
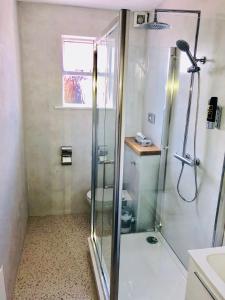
[77,71]
[77,89]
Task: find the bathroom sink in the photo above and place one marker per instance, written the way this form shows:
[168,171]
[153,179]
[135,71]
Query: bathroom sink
[217,262]
[211,263]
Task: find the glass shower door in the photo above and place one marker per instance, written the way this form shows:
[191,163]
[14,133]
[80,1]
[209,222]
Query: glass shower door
[105,122]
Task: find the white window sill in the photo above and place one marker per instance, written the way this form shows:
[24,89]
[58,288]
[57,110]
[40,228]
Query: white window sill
[71,107]
[79,108]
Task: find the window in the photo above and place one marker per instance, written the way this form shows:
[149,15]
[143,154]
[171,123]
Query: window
[77,71]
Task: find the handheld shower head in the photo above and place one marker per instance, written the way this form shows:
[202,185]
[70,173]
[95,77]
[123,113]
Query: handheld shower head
[184,46]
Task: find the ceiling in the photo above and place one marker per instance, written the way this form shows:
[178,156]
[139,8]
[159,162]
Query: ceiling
[106,4]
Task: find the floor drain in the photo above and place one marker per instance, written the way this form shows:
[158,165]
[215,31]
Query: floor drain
[151,240]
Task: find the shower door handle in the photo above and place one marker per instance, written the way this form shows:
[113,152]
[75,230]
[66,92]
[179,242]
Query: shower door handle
[109,186]
[106,162]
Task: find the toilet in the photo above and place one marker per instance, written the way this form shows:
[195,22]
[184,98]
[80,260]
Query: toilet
[108,198]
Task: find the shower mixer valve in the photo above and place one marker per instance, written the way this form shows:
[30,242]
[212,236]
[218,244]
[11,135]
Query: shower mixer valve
[187,159]
[202,60]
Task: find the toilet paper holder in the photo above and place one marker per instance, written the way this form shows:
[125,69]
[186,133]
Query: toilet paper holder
[66,155]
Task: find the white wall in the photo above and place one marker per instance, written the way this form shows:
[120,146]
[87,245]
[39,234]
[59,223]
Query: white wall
[13,208]
[54,189]
[189,225]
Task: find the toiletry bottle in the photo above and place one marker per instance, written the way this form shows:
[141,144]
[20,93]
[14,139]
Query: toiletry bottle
[211,114]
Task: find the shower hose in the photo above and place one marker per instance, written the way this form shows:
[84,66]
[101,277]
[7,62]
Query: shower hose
[194,142]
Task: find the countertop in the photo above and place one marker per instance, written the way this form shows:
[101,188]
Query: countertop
[141,150]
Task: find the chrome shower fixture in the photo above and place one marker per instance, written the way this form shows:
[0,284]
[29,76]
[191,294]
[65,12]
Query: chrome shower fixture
[184,46]
[185,158]
[155,25]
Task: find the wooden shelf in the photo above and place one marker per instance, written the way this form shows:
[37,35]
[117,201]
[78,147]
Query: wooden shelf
[140,150]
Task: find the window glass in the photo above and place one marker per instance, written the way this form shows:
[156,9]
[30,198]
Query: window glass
[77,89]
[78,56]
[77,73]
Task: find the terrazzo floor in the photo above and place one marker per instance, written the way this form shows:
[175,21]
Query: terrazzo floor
[55,262]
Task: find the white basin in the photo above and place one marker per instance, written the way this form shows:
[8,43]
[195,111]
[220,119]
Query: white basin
[211,262]
[217,262]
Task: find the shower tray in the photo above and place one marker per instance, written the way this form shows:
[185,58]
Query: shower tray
[145,268]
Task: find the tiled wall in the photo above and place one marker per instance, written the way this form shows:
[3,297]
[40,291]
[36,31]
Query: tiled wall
[54,189]
[13,206]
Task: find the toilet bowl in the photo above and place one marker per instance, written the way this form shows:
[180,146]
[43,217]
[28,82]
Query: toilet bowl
[108,198]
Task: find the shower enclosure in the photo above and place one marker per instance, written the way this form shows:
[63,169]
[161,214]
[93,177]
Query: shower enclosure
[141,228]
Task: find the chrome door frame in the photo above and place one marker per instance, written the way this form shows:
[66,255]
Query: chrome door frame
[94,118]
[118,157]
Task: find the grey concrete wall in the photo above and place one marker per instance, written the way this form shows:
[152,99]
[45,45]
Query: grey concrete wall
[13,208]
[54,189]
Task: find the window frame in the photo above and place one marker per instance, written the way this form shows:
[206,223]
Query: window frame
[74,39]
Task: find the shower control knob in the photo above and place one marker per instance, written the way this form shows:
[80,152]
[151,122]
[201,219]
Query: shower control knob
[188,160]
[202,60]
[133,163]
[197,161]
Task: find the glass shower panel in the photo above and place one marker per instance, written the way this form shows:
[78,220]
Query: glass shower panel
[101,148]
[164,226]
[109,140]
[138,270]
[187,225]
[105,145]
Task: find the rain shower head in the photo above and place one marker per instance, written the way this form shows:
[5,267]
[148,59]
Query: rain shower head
[184,46]
[155,25]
